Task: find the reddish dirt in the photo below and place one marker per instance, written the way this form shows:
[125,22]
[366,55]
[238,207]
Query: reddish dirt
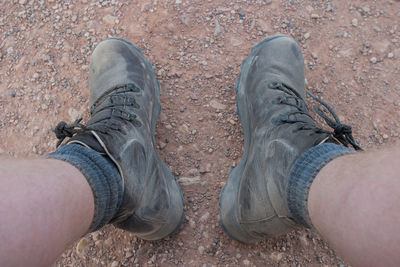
[352,51]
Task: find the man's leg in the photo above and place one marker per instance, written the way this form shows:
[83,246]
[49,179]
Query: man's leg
[354,202]
[44,206]
[126,184]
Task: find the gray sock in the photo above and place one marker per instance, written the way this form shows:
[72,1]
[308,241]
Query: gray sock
[302,174]
[102,176]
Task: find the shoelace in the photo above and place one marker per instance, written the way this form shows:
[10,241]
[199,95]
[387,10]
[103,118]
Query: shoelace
[342,132]
[112,122]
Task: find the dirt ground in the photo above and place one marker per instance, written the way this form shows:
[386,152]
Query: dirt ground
[352,51]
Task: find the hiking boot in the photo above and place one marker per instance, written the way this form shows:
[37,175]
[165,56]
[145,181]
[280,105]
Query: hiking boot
[124,106]
[277,129]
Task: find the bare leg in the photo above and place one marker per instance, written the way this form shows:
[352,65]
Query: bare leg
[354,202]
[44,206]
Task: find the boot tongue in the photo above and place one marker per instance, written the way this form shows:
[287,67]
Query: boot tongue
[87,139]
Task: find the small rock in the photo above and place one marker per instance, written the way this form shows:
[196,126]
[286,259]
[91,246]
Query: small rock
[385,136]
[215,104]
[160,72]
[22,2]
[108,19]
[276,256]
[200,249]
[205,217]
[115,264]
[218,29]
[390,55]
[373,60]
[304,241]
[10,50]
[205,169]
[314,55]
[265,26]
[354,22]
[235,41]
[246,262]
[189,180]
[193,172]
[82,245]
[162,145]
[314,16]
[128,254]
[35,75]
[307,35]
[192,223]
[108,242]
[73,113]
[95,236]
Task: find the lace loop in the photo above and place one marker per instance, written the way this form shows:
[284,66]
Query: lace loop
[64,130]
[342,132]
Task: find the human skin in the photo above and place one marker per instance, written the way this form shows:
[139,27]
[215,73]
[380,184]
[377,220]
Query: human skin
[354,203]
[45,205]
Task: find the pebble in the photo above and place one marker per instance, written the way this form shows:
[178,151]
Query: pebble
[192,224]
[314,55]
[276,256]
[200,249]
[314,16]
[10,50]
[115,264]
[205,217]
[373,60]
[108,19]
[82,245]
[246,262]
[354,22]
[215,104]
[307,35]
[385,136]
[218,29]
[193,172]
[162,145]
[205,169]
[390,55]
[189,180]
[108,242]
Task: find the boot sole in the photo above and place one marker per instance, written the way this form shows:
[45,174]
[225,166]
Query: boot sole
[228,205]
[173,222]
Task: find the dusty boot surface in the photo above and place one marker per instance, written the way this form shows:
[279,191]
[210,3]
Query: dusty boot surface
[124,106]
[277,128]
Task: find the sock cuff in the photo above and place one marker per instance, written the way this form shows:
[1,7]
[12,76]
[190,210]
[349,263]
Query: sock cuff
[302,174]
[102,176]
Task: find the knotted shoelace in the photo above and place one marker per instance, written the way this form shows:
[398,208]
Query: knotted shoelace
[119,113]
[342,132]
